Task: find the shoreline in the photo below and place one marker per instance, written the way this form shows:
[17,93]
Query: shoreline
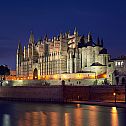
[106,104]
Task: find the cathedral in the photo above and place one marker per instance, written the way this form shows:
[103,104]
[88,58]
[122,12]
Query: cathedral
[66,56]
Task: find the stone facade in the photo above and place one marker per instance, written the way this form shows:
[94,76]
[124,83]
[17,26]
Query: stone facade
[116,71]
[64,54]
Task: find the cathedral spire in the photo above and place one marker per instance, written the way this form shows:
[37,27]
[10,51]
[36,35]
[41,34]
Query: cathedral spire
[24,52]
[98,42]
[31,39]
[102,42]
[89,37]
[61,35]
[19,44]
[46,37]
[20,52]
[67,34]
[75,31]
[90,41]
[19,47]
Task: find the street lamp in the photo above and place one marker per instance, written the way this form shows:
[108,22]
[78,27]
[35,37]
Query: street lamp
[125,92]
[115,97]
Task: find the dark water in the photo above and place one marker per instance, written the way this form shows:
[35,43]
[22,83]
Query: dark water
[38,114]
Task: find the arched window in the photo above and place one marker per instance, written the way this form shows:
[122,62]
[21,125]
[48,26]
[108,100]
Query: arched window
[35,74]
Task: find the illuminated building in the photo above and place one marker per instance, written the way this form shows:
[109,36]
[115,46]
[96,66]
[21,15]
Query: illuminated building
[116,71]
[61,57]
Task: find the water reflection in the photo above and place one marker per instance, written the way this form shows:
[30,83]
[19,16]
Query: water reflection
[28,119]
[78,116]
[114,117]
[39,119]
[43,119]
[93,116]
[60,115]
[6,120]
[67,119]
[35,118]
[54,119]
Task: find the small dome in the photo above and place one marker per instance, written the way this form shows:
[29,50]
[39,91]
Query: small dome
[96,64]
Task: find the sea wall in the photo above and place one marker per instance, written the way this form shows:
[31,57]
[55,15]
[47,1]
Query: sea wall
[63,93]
[94,93]
[43,93]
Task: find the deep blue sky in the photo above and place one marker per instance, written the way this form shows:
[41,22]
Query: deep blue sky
[104,18]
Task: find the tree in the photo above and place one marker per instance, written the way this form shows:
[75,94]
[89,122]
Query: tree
[4,71]
[106,81]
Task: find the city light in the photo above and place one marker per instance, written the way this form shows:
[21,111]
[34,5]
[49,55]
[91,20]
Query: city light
[114,93]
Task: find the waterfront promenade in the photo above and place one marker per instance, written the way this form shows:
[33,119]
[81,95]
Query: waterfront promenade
[102,95]
[108,104]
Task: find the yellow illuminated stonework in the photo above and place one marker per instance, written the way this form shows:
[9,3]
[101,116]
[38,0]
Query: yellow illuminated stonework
[66,57]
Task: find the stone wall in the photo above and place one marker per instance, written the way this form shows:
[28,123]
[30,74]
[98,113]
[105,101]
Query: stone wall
[43,93]
[63,93]
[94,93]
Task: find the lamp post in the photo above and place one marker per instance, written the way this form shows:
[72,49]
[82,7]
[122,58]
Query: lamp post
[115,97]
[125,92]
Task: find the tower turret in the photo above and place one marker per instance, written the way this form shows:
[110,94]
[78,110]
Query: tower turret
[19,50]
[90,41]
[31,39]
[46,37]
[98,42]
[19,59]
[89,37]
[75,31]
[101,43]
[19,46]
[61,36]
[24,52]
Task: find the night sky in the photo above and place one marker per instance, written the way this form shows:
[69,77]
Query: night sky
[103,18]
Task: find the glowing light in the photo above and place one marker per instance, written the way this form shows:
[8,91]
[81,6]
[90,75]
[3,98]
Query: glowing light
[47,77]
[104,76]
[114,109]
[43,77]
[114,94]
[79,76]
[64,76]
[7,82]
[56,77]
[78,105]
[92,76]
